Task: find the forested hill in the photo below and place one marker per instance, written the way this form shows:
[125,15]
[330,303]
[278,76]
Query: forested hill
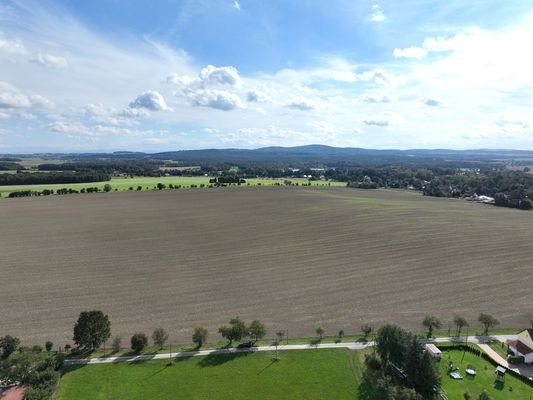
[321,156]
[345,156]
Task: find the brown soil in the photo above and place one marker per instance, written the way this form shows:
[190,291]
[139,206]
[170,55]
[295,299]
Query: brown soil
[295,258]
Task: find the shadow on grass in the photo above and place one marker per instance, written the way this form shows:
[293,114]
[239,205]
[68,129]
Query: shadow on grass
[70,368]
[268,366]
[214,360]
[316,341]
[498,385]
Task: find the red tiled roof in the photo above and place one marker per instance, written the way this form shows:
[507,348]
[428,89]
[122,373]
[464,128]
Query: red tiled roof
[520,347]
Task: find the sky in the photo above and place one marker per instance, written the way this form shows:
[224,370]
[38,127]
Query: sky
[131,75]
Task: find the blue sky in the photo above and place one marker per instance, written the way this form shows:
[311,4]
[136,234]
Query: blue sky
[137,75]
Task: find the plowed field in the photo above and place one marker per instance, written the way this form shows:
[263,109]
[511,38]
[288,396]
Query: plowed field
[295,258]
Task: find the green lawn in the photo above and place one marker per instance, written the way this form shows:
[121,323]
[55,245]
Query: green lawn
[309,374]
[512,388]
[500,348]
[148,183]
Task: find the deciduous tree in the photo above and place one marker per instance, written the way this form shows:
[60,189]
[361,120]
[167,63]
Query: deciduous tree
[199,336]
[431,322]
[488,321]
[257,330]
[8,345]
[460,323]
[92,329]
[159,336]
[138,342]
[235,332]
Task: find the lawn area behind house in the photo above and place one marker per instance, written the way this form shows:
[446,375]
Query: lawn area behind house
[511,388]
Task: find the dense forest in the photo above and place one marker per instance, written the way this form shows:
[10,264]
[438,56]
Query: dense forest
[47,178]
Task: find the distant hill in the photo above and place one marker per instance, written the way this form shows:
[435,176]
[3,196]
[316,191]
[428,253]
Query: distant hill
[323,156]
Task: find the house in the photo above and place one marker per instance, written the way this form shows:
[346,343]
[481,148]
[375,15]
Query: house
[433,350]
[523,345]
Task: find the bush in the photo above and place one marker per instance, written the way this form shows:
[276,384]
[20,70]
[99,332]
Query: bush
[48,345]
[138,342]
[515,359]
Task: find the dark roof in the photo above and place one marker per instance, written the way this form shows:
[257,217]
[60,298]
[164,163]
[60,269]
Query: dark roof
[520,347]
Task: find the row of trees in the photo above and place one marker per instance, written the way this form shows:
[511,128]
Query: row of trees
[46,178]
[94,328]
[431,322]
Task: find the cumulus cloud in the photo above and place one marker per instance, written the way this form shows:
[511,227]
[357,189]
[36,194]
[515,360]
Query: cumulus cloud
[11,97]
[150,100]
[378,76]
[431,102]
[302,104]
[49,60]
[11,46]
[377,122]
[256,96]
[179,79]
[220,75]
[217,99]
[77,129]
[376,98]
[410,52]
[377,14]
[66,126]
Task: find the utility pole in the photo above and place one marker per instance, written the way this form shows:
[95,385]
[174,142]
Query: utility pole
[287,335]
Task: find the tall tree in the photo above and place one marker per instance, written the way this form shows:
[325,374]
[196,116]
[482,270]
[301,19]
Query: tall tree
[92,329]
[488,321]
[391,343]
[431,322]
[8,345]
[460,323]
[257,330]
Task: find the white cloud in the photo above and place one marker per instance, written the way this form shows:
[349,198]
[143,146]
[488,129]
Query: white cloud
[41,101]
[11,97]
[220,75]
[49,60]
[134,112]
[378,76]
[302,104]
[97,110]
[377,14]
[431,102]
[217,99]
[376,98]
[179,79]
[256,96]
[236,5]
[410,52]
[11,46]
[379,121]
[150,100]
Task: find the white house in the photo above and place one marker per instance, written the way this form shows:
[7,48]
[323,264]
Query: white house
[523,345]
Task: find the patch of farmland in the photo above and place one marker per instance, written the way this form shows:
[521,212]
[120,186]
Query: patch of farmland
[295,258]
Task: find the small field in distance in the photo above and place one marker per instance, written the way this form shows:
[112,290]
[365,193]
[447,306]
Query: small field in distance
[293,257]
[149,183]
[315,374]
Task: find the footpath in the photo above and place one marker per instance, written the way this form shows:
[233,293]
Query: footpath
[347,345]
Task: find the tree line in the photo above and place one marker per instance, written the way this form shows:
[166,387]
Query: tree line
[40,178]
